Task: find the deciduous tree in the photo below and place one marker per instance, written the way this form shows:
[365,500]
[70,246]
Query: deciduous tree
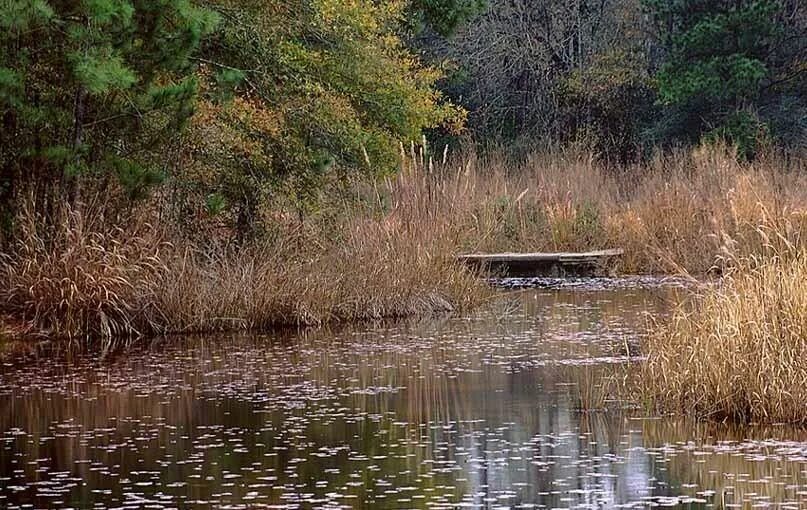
[319,90]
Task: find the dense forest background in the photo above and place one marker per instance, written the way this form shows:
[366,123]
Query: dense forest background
[225,106]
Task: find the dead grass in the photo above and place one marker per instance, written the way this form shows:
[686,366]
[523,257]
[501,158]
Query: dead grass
[681,212]
[373,271]
[738,353]
[80,278]
[387,249]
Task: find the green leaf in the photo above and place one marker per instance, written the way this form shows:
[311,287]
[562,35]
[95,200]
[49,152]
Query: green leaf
[109,11]
[215,203]
[11,88]
[227,80]
[135,178]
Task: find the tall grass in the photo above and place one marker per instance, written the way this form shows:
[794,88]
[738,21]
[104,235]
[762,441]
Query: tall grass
[387,249]
[76,276]
[373,270]
[740,353]
[682,211]
[80,275]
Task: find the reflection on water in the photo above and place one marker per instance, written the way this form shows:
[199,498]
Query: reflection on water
[478,412]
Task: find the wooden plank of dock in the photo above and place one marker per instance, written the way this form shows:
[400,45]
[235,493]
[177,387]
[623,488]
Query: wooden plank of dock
[542,264]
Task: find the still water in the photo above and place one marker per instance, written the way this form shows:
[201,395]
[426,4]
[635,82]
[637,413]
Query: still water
[461,412]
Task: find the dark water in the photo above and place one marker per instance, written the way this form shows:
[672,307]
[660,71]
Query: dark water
[476,412]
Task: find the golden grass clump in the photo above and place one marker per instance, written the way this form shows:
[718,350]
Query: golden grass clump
[740,353]
[373,271]
[79,276]
[675,213]
[76,277]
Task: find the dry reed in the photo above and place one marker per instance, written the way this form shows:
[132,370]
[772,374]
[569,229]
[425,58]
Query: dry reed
[739,353]
[79,275]
[389,249]
[73,277]
[674,214]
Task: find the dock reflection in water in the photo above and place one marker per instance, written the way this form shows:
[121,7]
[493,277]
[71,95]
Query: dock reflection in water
[479,412]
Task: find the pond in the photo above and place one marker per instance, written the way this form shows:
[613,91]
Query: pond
[499,409]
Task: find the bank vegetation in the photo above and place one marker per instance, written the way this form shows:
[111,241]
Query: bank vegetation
[737,352]
[197,165]
[388,250]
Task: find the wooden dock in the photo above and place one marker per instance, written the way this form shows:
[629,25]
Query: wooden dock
[543,264]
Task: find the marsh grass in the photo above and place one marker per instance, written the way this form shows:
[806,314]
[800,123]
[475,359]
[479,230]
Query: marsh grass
[680,213]
[737,352]
[740,353]
[388,249]
[78,277]
[600,387]
[591,388]
[370,273]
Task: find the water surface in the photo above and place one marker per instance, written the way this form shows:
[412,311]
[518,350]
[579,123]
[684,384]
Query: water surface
[465,412]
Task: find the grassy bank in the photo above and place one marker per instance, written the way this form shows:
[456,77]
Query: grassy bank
[738,353]
[386,250]
[86,278]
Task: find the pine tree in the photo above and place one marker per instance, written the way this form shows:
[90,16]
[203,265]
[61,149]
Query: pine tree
[720,55]
[94,88]
[444,16]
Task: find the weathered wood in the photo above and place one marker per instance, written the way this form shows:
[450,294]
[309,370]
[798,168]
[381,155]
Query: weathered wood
[542,264]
